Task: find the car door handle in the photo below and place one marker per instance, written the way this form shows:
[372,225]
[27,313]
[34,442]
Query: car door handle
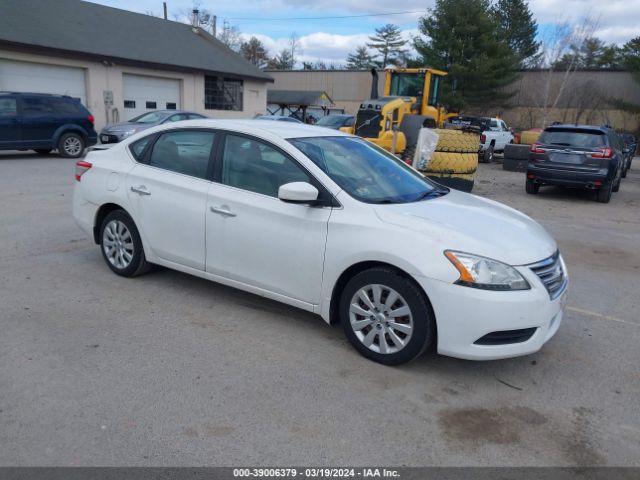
[223,211]
[140,190]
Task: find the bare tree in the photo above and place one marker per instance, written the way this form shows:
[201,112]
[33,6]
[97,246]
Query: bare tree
[230,36]
[295,49]
[564,42]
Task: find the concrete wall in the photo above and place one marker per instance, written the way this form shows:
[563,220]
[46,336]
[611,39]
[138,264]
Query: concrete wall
[100,77]
[584,99]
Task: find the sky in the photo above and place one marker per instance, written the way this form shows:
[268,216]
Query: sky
[331,39]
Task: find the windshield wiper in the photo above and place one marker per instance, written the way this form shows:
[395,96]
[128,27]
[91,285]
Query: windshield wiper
[439,192]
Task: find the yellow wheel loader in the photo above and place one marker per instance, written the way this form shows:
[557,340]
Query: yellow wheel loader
[409,104]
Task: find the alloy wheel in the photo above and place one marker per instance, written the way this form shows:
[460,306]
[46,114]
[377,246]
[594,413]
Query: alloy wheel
[72,146]
[381,319]
[118,244]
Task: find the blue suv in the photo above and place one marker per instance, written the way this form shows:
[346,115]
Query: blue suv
[43,122]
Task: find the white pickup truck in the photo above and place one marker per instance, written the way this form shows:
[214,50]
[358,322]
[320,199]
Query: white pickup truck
[494,139]
[495,134]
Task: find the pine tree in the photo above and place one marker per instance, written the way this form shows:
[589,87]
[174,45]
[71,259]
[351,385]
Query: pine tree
[460,39]
[255,51]
[361,59]
[282,61]
[388,42]
[517,26]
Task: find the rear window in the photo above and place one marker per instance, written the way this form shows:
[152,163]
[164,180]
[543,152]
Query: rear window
[574,138]
[65,106]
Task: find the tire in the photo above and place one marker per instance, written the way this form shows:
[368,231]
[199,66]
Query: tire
[42,151]
[444,162]
[416,331]
[116,229]
[516,152]
[604,194]
[487,156]
[71,145]
[625,169]
[616,185]
[532,187]
[457,141]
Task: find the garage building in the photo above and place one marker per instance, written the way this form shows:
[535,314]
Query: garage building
[121,64]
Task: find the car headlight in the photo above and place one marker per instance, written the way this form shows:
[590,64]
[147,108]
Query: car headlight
[127,133]
[485,273]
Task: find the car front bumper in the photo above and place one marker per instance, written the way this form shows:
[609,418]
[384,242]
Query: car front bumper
[466,317]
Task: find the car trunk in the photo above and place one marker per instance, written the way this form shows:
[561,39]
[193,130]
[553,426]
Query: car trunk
[571,150]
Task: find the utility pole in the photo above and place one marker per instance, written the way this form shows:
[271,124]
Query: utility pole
[214,25]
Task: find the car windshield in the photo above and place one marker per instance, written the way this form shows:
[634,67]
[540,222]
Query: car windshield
[367,172]
[151,117]
[331,121]
[573,138]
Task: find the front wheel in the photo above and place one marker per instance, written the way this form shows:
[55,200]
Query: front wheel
[71,145]
[121,245]
[488,154]
[386,316]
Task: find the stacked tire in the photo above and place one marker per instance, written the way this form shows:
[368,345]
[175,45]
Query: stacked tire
[516,158]
[455,161]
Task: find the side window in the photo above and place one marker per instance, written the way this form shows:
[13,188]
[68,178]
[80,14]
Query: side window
[8,107]
[255,166]
[138,148]
[504,126]
[177,117]
[35,106]
[494,125]
[184,151]
[195,116]
[66,107]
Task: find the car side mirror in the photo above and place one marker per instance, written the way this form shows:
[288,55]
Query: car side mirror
[626,150]
[298,192]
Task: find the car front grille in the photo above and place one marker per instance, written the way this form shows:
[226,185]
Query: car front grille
[364,129]
[552,275]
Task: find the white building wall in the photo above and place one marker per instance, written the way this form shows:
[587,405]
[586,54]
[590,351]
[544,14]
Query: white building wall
[101,77]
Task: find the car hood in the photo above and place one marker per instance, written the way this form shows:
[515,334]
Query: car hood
[124,126]
[465,222]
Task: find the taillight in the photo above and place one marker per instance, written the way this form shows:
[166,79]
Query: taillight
[81,168]
[604,152]
[536,148]
[483,138]
[91,119]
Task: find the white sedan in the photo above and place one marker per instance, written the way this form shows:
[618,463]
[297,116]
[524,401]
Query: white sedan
[328,223]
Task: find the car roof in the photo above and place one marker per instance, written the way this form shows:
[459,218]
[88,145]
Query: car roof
[574,126]
[36,94]
[283,130]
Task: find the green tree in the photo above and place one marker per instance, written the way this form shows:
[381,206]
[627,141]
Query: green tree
[459,38]
[282,61]
[611,57]
[591,52]
[517,26]
[630,54]
[255,51]
[361,59]
[389,43]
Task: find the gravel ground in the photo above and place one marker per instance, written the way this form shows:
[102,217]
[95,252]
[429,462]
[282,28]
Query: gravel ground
[168,369]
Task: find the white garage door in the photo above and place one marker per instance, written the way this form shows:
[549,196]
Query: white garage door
[144,94]
[42,78]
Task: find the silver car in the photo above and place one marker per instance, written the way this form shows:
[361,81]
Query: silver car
[119,131]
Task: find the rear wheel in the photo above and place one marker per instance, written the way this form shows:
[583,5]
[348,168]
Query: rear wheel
[604,194]
[71,145]
[386,316]
[488,154]
[43,151]
[532,187]
[121,245]
[616,186]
